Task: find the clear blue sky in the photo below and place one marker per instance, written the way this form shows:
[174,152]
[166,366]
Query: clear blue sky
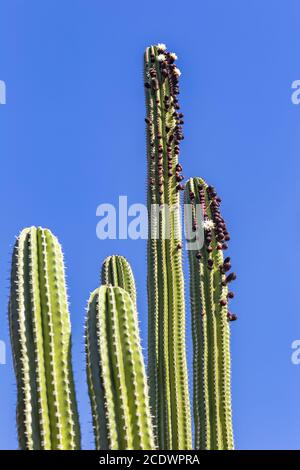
[72,136]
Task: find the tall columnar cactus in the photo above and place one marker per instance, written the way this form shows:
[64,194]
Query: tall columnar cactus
[116,374]
[167,354]
[40,332]
[210,318]
[117,271]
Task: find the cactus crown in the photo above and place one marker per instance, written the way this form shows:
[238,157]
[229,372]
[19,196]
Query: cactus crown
[117,271]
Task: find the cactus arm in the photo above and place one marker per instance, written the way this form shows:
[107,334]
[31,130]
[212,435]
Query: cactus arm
[224,360]
[119,371]
[167,356]
[116,370]
[208,281]
[57,329]
[162,404]
[135,371]
[117,271]
[210,315]
[40,334]
[100,411]
[37,325]
[200,345]
[101,387]
[25,356]
[157,289]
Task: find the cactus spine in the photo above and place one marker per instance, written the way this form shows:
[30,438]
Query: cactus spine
[167,355]
[117,271]
[116,374]
[210,320]
[40,332]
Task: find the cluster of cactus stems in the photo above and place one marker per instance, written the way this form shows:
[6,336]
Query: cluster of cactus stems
[209,295]
[126,414]
[168,374]
[116,374]
[40,332]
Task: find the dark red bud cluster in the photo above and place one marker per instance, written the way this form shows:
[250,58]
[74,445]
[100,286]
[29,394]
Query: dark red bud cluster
[221,231]
[231,277]
[222,236]
[231,316]
[179,177]
[202,197]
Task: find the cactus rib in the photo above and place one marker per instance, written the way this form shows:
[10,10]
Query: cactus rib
[166,332]
[210,320]
[40,332]
[116,374]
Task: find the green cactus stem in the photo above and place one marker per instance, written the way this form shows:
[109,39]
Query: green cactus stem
[168,377]
[40,333]
[210,318]
[117,271]
[116,374]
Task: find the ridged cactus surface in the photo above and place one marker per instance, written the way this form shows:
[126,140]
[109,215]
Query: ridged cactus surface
[210,319]
[116,374]
[117,271]
[40,332]
[167,354]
